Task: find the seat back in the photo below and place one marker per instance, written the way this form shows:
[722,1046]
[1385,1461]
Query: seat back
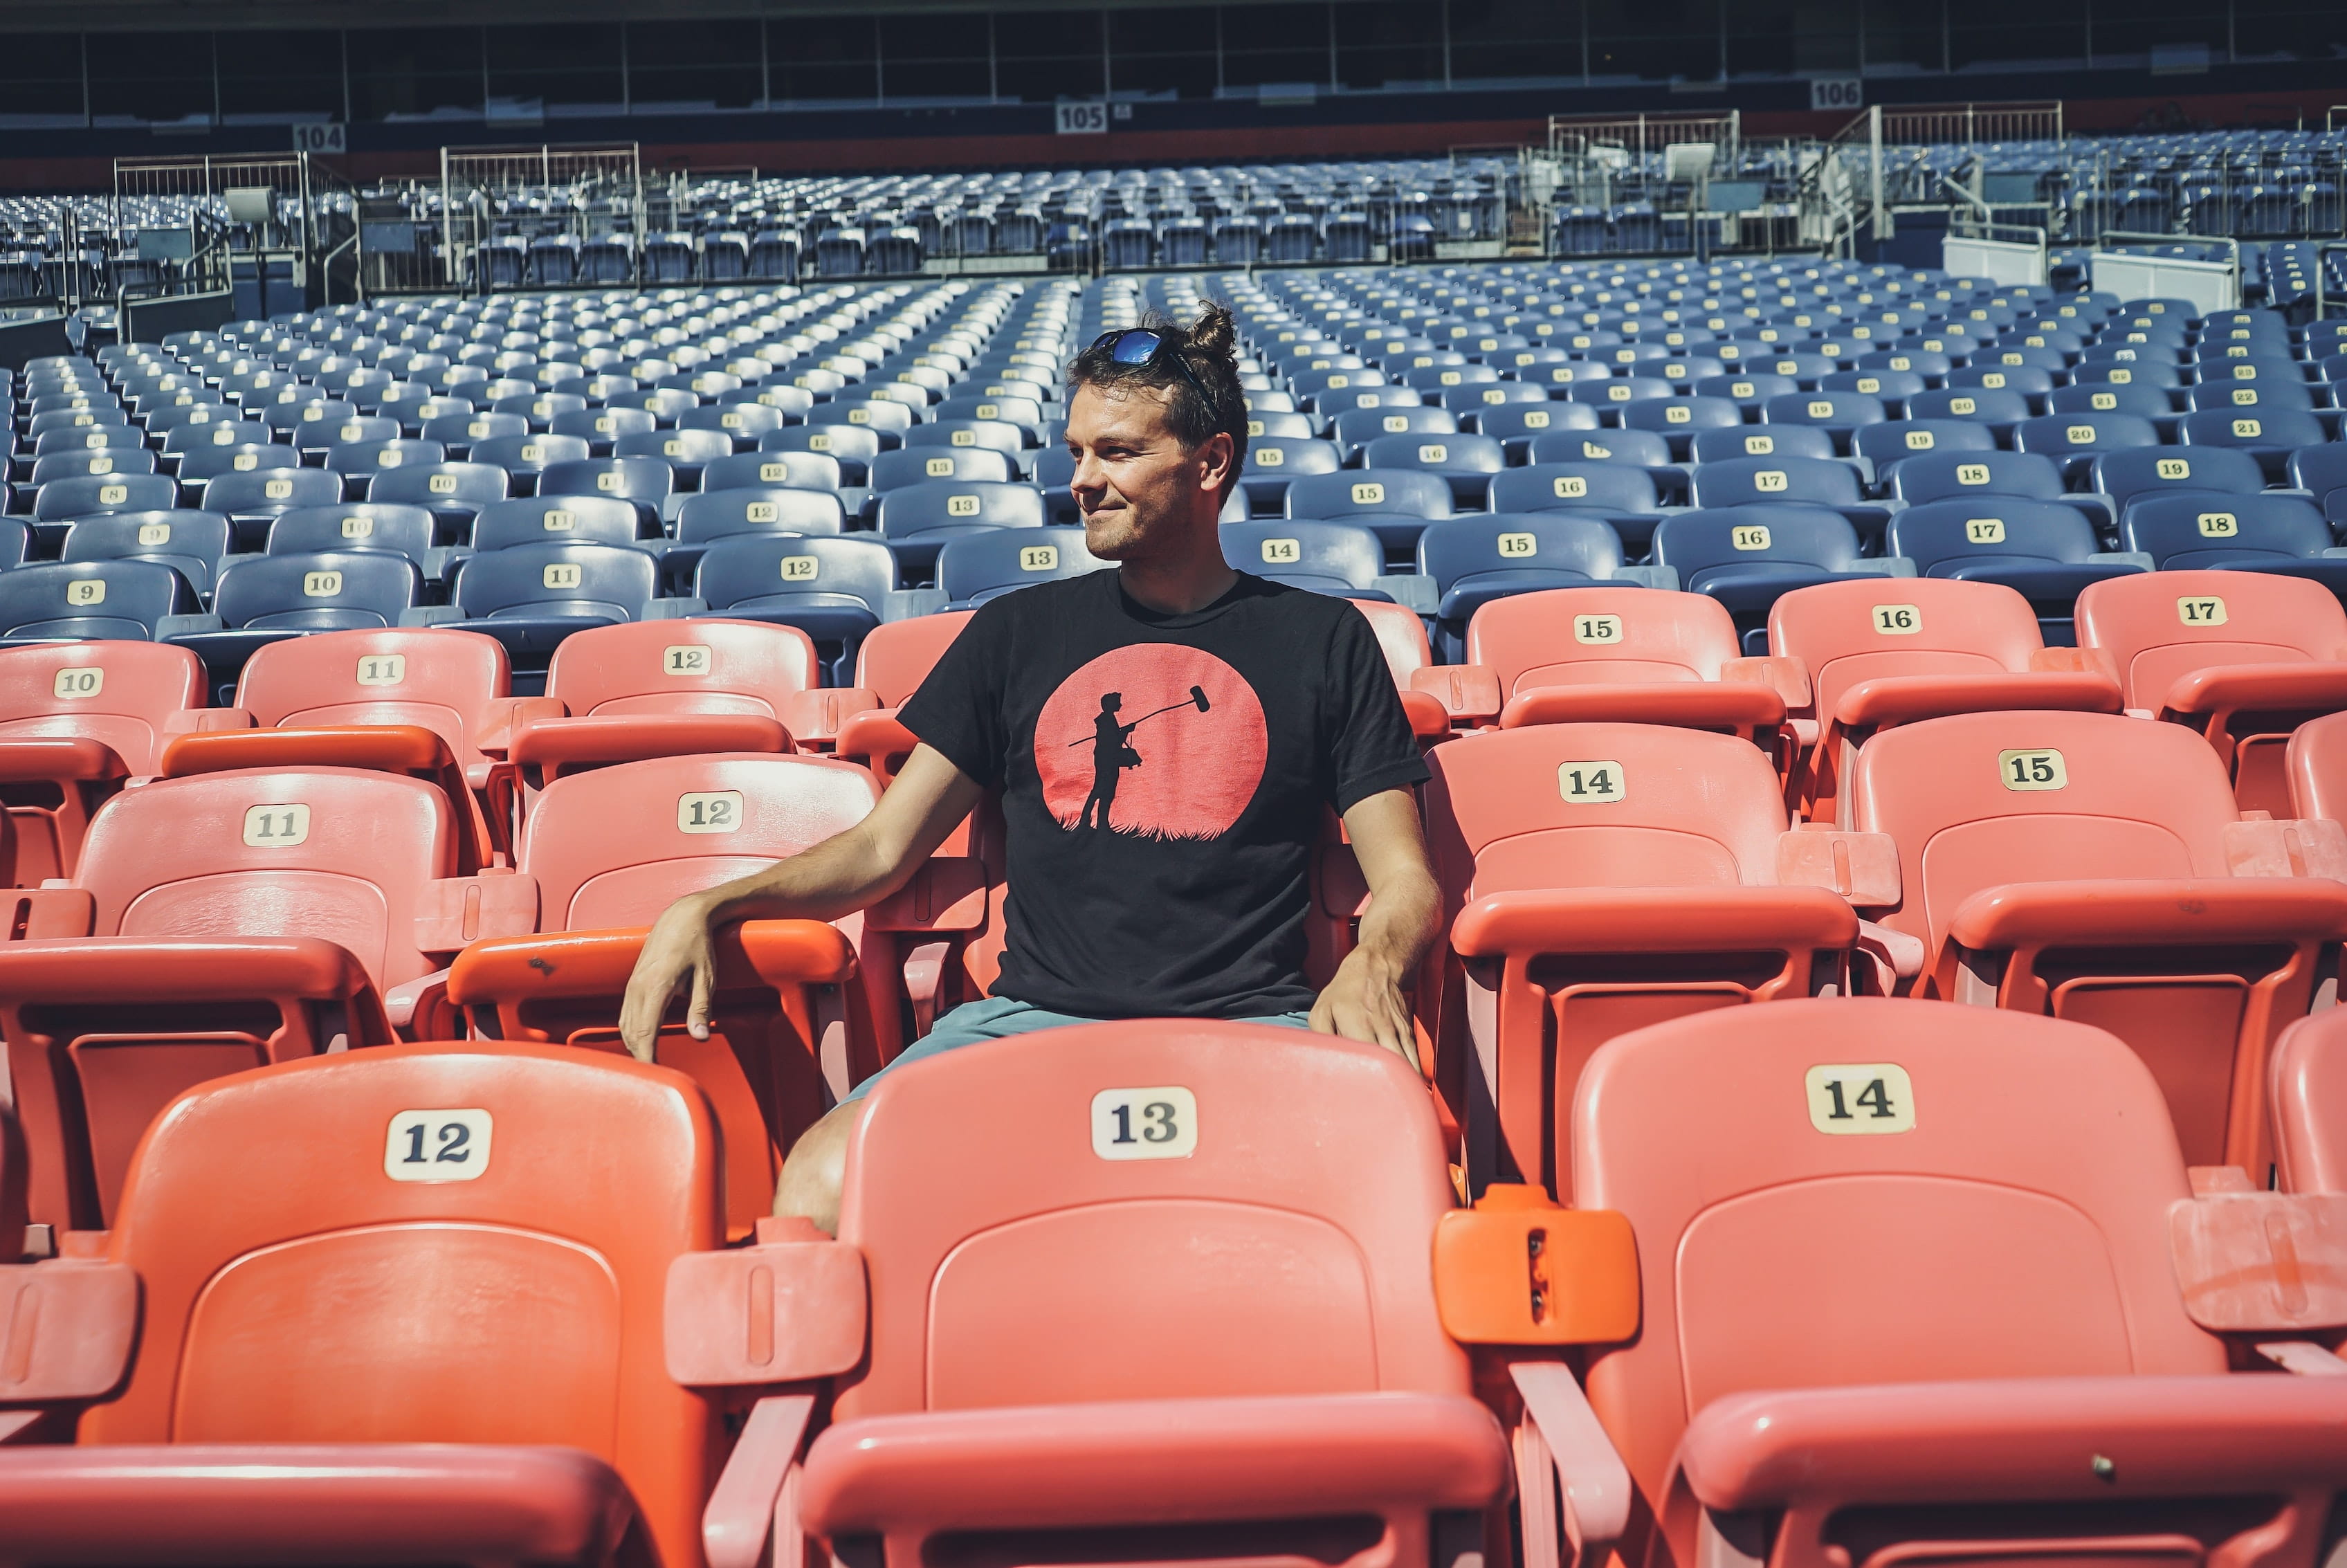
[1883,444]
[2184,533]
[106,599]
[2127,476]
[614,581]
[269,1311]
[2310,1100]
[554,520]
[1946,476]
[892,662]
[616,845]
[359,526]
[2316,761]
[441,681]
[1356,492]
[1743,536]
[190,543]
[334,853]
[700,666]
[725,513]
[1312,1171]
[1739,481]
[1566,636]
[120,693]
[980,567]
[1731,441]
[89,496]
[774,572]
[914,464]
[1945,539]
[1846,633]
[441,486]
[1328,557]
[2010,1235]
[959,506]
[1601,486]
[772,470]
[333,592]
[2159,627]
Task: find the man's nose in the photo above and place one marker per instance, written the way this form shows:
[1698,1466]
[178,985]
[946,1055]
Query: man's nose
[1089,475]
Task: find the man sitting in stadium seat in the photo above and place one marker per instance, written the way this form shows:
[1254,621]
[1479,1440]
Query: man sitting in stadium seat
[1165,737]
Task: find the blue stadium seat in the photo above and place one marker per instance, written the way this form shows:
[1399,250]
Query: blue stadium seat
[916,521]
[976,568]
[1339,558]
[1473,561]
[834,590]
[1746,557]
[451,492]
[268,598]
[2127,476]
[359,526]
[644,483]
[2284,535]
[852,446]
[2044,550]
[531,597]
[54,601]
[190,543]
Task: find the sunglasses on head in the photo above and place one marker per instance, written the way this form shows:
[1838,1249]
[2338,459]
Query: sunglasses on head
[1141,345]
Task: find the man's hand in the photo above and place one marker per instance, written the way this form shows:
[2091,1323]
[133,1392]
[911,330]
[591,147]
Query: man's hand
[1364,1002]
[679,953]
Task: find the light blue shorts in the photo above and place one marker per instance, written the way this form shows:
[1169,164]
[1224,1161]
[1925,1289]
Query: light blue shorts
[992,1018]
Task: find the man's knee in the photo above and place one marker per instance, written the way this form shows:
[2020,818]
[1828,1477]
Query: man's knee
[816,1167]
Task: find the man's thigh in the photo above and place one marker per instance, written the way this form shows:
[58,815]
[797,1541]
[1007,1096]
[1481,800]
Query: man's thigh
[993,1018]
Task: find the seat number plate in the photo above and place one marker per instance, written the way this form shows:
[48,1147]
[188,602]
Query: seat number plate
[1590,783]
[1862,1097]
[685,659]
[437,1146]
[2037,770]
[277,826]
[381,669]
[709,811]
[1146,1123]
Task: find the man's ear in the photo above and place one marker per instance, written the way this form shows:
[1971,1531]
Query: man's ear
[1216,456]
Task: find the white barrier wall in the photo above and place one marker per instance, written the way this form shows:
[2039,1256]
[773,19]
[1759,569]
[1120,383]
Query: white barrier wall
[2209,285]
[2001,261]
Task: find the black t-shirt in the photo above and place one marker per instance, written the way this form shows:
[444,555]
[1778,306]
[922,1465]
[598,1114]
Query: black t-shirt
[1163,778]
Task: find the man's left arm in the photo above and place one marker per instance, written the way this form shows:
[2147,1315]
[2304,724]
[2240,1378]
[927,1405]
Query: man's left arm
[1364,1000]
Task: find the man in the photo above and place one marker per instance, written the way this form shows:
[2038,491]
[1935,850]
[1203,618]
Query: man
[1264,706]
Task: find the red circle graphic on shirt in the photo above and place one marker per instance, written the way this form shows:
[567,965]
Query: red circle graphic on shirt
[1177,753]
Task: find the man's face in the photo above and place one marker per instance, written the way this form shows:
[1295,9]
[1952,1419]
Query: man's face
[1140,489]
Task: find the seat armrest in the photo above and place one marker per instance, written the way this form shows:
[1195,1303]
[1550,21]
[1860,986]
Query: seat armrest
[2073,660]
[948,892]
[1412,590]
[2257,688]
[814,717]
[455,911]
[494,725]
[430,615]
[2139,560]
[2310,846]
[1594,1480]
[2163,911]
[1882,566]
[1744,706]
[1907,699]
[598,963]
[1782,673]
[1898,958]
[1997,1440]
[1470,693]
[47,912]
[206,721]
[1663,577]
[1656,920]
[788,1309]
[675,608]
[425,998]
[748,1505]
[905,603]
[1863,868]
[73,1322]
[59,759]
[1428,719]
[167,627]
[634,737]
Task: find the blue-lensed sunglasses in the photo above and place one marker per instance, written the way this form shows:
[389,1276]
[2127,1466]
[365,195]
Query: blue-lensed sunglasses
[1141,345]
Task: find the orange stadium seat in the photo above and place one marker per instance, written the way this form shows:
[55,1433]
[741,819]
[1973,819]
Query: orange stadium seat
[1892,652]
[607,851]
[77,719]
[1634,655]
[1041,1364]
[432,1333]
[2095,867]
[1597,877]
[2008,1368]
[2242,657]
[224,921]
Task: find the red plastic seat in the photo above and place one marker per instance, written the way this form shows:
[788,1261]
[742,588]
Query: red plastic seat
[2243,657]
[1896,649]
[1961,1340]
[225,921]
[1052,1363]
[2309,1104]
[1624,655]
[1598,878]
[654,689]
[338,1360]
[608,849]
[452,684]
[891,663]
[2316,762]
[77,719]
[2095,867]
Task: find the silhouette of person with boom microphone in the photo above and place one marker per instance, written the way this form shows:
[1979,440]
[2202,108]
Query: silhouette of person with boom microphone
[1112,753]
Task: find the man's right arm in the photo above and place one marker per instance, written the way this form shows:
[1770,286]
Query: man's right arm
[846,872]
